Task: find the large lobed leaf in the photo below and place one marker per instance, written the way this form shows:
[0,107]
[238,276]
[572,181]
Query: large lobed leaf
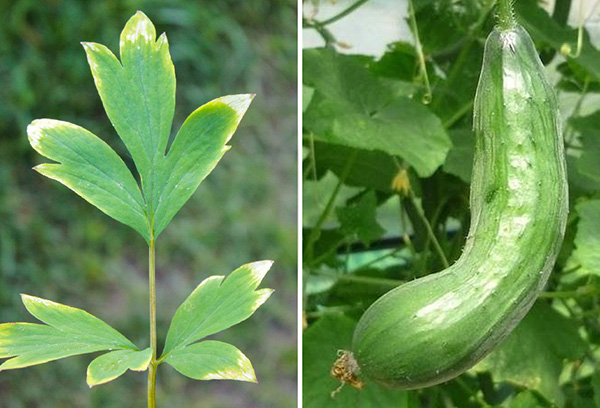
[68,331]
[138,94]
[353,108]
[218,304]
[532,356]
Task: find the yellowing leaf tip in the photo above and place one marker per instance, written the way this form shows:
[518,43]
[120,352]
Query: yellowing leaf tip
[260,268]
[238,103]
[139,26]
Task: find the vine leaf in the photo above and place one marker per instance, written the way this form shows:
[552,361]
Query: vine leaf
[68,332]
[358,219]
[532,355]
[587,238]
[112,365]
[353,108]
[138,94]
[218,304]
[321,341]
[212,360]
[91,168]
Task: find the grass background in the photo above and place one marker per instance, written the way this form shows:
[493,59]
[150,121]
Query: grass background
[55,245]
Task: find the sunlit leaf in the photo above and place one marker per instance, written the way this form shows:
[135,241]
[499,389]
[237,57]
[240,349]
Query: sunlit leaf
[218,304]
[112,365]
[69,331]
[212,360]
[198,147]
[351,107]
[91,168]
[138,93]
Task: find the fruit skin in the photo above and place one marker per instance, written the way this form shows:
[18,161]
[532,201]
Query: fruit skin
[433,329]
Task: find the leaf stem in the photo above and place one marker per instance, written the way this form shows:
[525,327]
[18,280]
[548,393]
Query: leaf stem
[152,284]
[432,237]
[369,280]
[506,16]
[583,291]
[422,64]
[315,232]
[344,12]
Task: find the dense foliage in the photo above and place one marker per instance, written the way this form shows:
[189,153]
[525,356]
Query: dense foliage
[388,148]
[55,245]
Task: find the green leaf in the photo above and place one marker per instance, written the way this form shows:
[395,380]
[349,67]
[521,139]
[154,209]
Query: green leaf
[111,365]
[359,219]
[138,93]
[69,331]
[543,28]
[353,108]
[460,158]
[212,360]
[307,94]
[198,147]
[373,169]
[216,305]
[91,168]
[321,342]
[587,240]
[532,356]
[596,387]
[588,163]
[527,399]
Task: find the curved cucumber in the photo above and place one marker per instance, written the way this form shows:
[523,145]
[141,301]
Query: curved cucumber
[434,328]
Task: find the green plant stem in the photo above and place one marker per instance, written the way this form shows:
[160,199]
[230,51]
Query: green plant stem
[315,232]
[422,65]
[379,258]
[343,13]
[432,237]
[506,16]
[361,279]
[459,114]
[583,291]
[474,394]
[152,297]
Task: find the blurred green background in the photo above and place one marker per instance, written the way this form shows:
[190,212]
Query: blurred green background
[55,245]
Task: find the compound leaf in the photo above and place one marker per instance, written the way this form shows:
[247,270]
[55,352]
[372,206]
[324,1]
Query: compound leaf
[218,304]
[212,360]
[69,331]
[198,147]
[111,365]
[138,93]
[91,168]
